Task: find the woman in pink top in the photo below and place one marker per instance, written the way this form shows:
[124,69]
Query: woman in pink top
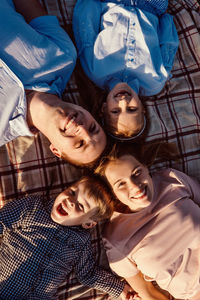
[157,232]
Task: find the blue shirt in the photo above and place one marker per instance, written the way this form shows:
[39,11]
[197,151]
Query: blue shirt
[120,41]
[37,254]
[40,56]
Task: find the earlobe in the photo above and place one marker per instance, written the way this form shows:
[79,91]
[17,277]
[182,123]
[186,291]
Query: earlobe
[89,224]
[55,150]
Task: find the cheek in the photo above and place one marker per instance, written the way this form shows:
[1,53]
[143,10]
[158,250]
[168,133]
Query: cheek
[122,196]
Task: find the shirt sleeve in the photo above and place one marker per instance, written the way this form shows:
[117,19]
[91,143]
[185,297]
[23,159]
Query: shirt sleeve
[168,39]
[59,54]
[86,27]
[122,265]
[94,276]
[50,27]
[13,211]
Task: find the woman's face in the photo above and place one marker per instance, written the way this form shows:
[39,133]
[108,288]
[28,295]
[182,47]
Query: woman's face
[131,182]
[124,110]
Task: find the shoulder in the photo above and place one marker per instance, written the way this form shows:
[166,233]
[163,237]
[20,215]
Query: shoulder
[168,175]
[79,236]
[173,174]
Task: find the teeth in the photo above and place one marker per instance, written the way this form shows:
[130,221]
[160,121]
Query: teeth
[122,93]
[140,195]
[71,121]
[63,207]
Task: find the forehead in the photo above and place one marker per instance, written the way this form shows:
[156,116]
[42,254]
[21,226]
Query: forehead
[121,166]
[84,191]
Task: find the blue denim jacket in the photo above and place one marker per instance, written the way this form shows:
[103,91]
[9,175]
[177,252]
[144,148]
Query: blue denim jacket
[120,42]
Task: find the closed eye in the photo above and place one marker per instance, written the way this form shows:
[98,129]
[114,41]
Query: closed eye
[115,111]
[132,109]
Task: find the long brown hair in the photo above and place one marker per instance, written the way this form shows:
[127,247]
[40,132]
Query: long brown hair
[146,154]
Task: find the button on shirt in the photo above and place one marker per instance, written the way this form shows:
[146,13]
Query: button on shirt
[37,56]
[122,41]
[37,254]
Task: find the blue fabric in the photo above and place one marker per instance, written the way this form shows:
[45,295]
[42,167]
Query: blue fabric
[37,254]
[40,54]
[120,43]
[156,7]
[12,106]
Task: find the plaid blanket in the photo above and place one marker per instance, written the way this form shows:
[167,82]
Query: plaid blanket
[27,166]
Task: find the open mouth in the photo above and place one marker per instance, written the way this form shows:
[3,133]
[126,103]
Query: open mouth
[71,124]
[122,93]
[61,211]
[141,194]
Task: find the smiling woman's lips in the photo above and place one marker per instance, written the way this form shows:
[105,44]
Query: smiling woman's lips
[140,195]
[121,93]
[61,211]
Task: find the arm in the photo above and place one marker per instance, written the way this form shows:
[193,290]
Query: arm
[168,39]
[86,23]
[13,211]
[94,276]
[86,28]
[145,289]
[29,9]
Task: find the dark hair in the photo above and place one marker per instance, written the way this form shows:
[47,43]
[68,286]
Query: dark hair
[146,154]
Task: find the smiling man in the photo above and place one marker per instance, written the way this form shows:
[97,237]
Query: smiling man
[74,134]
[37,60]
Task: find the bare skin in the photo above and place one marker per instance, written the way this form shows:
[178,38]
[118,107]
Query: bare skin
[69,128]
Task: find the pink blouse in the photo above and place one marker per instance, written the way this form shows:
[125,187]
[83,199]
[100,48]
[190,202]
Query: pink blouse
[162,240]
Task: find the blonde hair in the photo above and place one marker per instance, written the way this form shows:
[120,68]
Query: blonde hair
[97,189]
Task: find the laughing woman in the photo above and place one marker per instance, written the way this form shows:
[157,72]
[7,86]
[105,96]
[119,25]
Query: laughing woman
[155,230]
[127,49]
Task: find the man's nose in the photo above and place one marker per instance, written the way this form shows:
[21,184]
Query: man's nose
[84,133]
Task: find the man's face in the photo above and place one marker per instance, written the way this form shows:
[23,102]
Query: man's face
[75,133]
[74,207]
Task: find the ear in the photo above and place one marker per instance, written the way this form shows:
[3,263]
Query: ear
[55,150]
[89,224]
[103,107]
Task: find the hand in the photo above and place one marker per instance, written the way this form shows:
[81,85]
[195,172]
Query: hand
[129,294]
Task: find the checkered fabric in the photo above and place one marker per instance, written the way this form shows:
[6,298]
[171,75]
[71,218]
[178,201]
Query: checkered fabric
[28,167]
[36,254]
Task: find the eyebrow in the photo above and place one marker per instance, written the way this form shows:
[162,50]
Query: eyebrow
[122,179]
